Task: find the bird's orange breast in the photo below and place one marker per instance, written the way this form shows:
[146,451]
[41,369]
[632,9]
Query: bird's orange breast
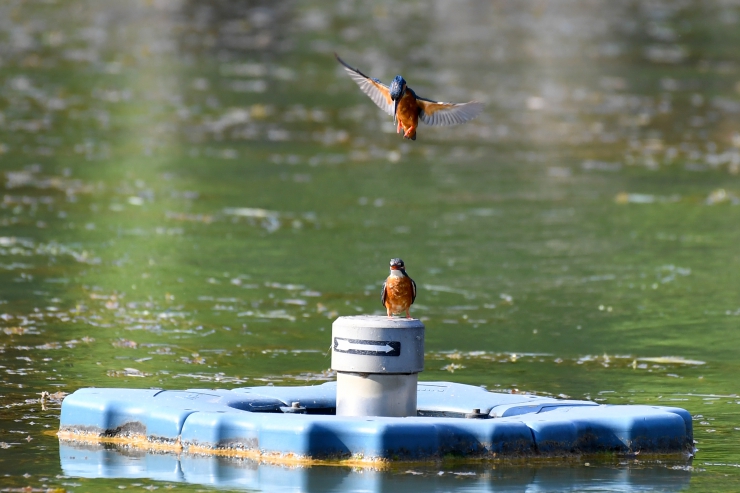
[408,111]
[399,293]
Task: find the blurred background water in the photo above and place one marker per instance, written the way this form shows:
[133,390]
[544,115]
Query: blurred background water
[194,191]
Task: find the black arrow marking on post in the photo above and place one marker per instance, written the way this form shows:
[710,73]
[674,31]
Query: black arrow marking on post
[367,348]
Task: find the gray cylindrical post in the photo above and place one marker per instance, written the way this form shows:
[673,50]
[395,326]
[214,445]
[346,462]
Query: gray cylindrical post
[377,360]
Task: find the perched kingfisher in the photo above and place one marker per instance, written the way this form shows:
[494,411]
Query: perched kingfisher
[407,108]
[399,290]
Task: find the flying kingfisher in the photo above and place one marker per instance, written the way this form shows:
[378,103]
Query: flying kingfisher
[399,290]
[407,108]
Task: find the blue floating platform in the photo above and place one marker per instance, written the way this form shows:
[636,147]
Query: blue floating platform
[299,423]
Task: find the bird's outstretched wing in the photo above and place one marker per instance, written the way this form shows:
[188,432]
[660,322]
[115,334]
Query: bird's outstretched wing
[413,294]
[438,113]
[378,92]
[383,293]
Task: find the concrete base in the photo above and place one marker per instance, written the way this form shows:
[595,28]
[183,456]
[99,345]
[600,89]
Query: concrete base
[376,394]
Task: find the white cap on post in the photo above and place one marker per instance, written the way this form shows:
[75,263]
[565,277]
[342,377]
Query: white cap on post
[377,360]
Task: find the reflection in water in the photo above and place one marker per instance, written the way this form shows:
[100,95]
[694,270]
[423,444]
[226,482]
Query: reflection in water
[110,462]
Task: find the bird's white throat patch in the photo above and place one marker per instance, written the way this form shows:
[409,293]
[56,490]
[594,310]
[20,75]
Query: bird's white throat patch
[396,273]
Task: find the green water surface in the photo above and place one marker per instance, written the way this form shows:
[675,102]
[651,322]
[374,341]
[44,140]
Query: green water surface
[194,191]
